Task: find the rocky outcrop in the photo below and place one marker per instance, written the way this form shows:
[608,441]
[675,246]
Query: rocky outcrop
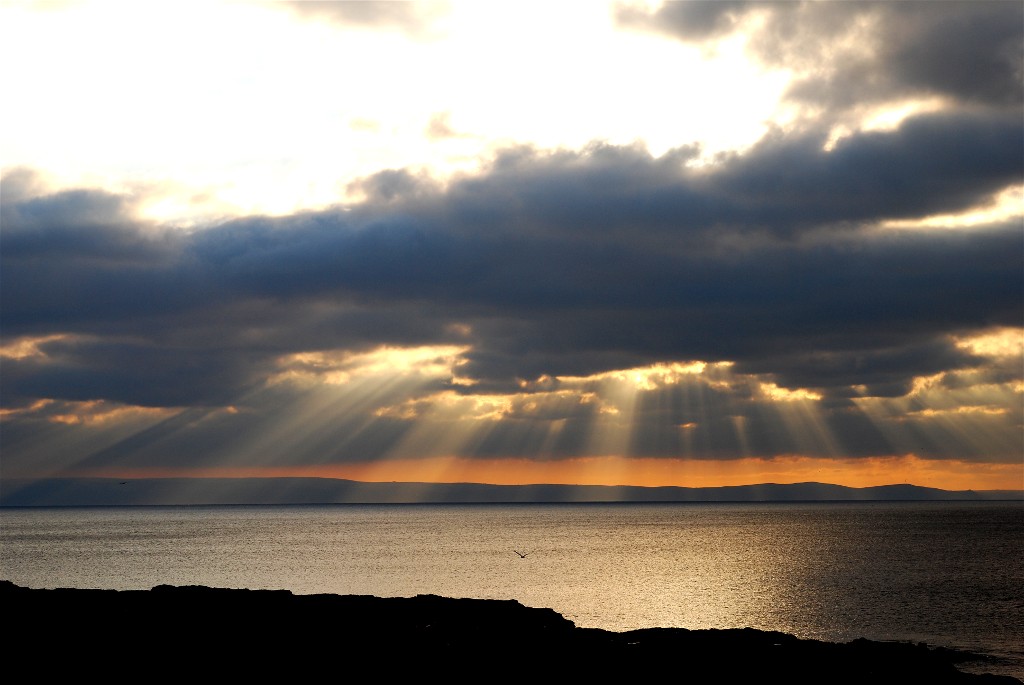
[203,633]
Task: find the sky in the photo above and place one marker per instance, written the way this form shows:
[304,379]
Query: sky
[693,243]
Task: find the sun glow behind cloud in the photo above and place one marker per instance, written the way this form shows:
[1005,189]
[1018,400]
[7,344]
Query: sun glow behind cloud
[339,367]
[339,396]
[967,408]
[1005,206]
[752,311]
[210,130]
[22,348]
[613,471]
[446,430]
[446,424]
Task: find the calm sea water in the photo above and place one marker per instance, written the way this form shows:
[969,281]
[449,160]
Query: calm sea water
[947,574]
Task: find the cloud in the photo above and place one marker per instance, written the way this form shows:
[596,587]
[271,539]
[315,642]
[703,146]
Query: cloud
[413,18]
[801,297]
[440,128]
[692,21]
[561,263]
[852,54]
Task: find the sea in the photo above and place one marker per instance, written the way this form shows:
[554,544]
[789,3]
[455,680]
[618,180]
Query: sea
[947,574]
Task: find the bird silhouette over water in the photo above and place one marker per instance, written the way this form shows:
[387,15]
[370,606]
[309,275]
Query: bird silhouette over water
[522,555]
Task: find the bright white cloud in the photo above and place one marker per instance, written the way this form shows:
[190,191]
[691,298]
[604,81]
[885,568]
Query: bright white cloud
[247,107]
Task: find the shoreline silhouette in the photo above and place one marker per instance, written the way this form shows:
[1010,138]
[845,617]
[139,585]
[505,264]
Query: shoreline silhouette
[185,631]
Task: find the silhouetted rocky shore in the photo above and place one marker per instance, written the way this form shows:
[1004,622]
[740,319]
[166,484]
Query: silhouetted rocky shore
[198,632]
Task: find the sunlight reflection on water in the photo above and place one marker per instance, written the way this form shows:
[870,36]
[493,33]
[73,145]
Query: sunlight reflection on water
[944,573]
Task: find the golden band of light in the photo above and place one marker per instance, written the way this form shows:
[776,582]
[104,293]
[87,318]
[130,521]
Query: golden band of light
[862,472]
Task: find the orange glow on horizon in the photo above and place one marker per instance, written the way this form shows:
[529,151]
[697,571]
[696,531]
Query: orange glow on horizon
[649,472]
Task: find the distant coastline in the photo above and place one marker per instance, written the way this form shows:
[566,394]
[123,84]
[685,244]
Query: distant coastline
[260,491]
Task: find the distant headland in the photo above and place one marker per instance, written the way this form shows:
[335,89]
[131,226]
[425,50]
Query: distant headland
[215,491]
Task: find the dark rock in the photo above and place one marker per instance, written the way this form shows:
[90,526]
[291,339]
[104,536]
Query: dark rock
[199,632]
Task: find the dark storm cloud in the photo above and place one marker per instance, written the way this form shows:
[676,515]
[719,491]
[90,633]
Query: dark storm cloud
[934,164]
[148,373]
[84,224]
[884,372]
[849,312]
[785,184]
[561,263]
[855,53]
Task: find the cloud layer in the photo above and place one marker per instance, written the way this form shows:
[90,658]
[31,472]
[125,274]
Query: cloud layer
[800,297]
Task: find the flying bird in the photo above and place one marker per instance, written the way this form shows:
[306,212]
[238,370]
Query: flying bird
[522,555]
